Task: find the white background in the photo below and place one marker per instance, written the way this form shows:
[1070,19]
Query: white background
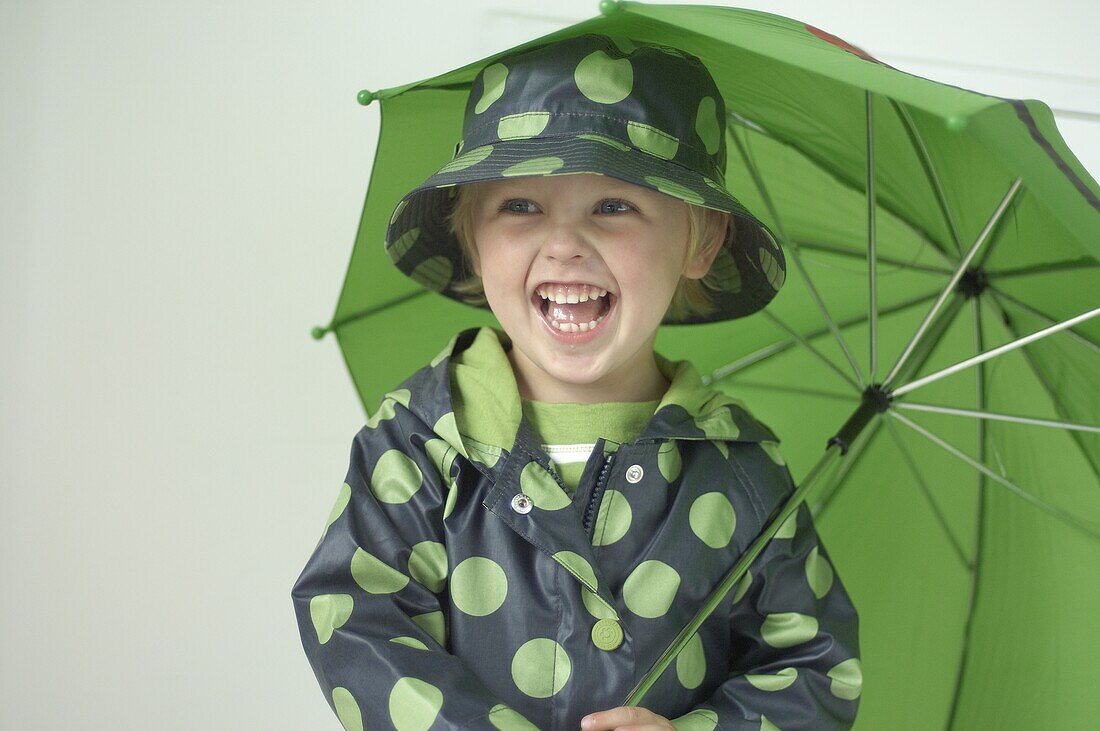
[181,185]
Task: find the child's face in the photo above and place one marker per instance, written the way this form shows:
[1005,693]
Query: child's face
[572,229]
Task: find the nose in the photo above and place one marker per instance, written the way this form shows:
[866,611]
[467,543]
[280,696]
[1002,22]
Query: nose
[566,244]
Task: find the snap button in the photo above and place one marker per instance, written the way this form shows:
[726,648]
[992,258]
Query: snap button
[521,503]
[634,473]
[607,634]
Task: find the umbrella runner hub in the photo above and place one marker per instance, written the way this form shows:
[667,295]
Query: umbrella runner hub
[973,282]
[875,400]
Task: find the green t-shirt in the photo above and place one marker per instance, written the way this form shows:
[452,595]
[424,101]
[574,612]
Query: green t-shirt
[488,406]
[569,431]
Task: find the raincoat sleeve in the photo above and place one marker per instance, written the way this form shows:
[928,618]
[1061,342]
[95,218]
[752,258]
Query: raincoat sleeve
[794,653]
[368,602]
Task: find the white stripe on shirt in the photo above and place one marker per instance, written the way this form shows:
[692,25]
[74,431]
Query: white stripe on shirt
[568,453]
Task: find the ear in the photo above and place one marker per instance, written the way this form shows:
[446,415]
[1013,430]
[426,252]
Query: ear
[698,267]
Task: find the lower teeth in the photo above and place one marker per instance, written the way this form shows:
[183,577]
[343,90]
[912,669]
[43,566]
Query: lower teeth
[573,327]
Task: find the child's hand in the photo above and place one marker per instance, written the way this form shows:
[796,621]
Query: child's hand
[634,718]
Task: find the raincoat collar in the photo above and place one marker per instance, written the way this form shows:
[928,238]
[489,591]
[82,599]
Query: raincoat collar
[688,409]
[500,442]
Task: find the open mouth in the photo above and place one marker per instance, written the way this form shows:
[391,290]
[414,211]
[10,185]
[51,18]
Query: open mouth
[577,316]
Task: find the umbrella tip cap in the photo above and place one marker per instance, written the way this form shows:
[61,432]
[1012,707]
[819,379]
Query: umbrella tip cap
[318,332]
[365,97]
[956,122]
[607,7]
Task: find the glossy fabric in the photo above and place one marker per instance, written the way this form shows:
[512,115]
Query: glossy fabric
[431,602]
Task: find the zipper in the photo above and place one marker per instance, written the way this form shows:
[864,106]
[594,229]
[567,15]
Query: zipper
[597,491]
[557,478]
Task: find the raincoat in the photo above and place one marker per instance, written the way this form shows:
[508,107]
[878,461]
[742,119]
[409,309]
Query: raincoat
[457,585]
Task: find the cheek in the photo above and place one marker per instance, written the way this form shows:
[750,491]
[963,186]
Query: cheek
[501,271]
[655,275]
[487,254]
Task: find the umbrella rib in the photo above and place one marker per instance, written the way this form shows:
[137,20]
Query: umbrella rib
[812,349]
[1084,262]
[980,357]
[1065,517]
[793,249]
[952,281]
[1041,377]
[828,318]
[838,175]
[1001,417]
[762,353]
[921,149]
[733,366]
[975,576]
[940,518]
[902,265]
[1091,345]
[872,305]
[847,398]
[337,324]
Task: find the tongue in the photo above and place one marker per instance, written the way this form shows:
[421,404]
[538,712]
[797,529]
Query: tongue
[578,313]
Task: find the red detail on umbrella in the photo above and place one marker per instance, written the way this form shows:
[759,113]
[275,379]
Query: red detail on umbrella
[841,43]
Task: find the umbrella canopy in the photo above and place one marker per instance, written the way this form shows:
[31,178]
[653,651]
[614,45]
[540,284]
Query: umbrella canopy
[937,329]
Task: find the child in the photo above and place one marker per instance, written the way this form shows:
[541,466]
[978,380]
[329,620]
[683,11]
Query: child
[529,520]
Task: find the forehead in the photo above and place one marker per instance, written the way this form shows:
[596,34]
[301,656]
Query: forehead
[574,183]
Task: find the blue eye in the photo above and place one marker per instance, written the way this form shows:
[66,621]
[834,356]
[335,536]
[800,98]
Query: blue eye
[618,202]
[506,206]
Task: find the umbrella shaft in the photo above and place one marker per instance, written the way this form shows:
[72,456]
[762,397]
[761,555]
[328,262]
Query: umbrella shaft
[785,510]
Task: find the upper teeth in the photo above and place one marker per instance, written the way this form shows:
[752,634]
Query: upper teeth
[558,293]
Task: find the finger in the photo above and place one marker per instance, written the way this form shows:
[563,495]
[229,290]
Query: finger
[622,716]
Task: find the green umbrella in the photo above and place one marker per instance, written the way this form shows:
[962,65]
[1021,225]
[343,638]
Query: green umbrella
[931,368]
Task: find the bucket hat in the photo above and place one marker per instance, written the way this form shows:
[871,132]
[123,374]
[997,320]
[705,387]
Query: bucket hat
[642,112]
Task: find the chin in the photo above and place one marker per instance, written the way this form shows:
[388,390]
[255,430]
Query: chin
[570,373]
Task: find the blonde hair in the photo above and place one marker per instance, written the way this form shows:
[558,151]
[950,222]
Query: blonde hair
[691,298]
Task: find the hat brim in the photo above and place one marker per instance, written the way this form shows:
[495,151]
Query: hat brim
[750,268]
